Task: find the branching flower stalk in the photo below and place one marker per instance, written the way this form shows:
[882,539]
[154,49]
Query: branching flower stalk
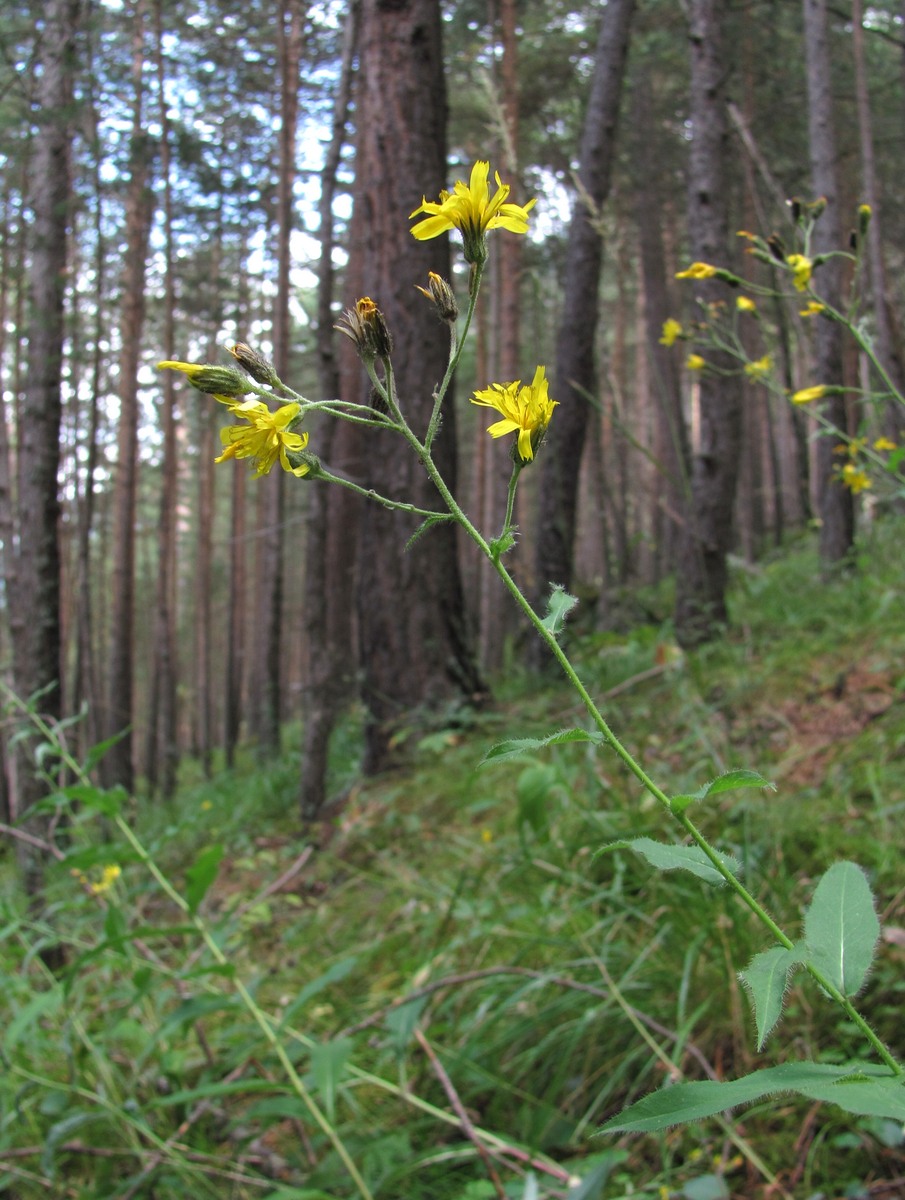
[525,411]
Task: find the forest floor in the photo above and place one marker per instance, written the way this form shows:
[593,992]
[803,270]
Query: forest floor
[450,964]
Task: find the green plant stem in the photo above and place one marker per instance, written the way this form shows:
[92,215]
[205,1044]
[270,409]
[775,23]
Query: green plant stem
[635,767]
[510,499]
[260,1018]
[457,341]
[369,494]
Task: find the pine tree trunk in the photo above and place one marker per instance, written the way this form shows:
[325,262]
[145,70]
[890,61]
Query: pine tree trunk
[575,377]
[834,501]
[330,538]
[162,753]
[34,580]
[117,767]
[415,648]
[702,572]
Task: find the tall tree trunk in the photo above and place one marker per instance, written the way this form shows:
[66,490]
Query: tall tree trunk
[34,579]
[834,501]
[574,378]
[118,765]
[888,350]
[267,706]
[330,536]
[702,573]
[415,648]
[672,457]
[162,748]
[505,294]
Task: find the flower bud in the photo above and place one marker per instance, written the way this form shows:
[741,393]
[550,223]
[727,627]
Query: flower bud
[258,367]
[440,292]
[366,326]
[211,379]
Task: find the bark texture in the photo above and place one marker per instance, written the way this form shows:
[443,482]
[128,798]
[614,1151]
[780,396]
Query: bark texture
[575,377]
[701,571]
[415,650]
[35,567]
[834,501]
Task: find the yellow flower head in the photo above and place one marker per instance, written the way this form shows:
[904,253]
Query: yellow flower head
[759,369]
[672,329]
[884,443]
[806,395]
[745,304]
[801,270]
[266,438]
[694,362]
[698,270]
[525,410]
[813,308]
[471,209]
[109,876]
[855,479]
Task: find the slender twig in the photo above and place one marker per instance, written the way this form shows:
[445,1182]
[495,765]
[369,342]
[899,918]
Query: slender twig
[467,1127]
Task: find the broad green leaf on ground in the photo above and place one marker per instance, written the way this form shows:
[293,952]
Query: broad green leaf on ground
[666,857]
[866,1090]
[328,1065]
[841,929]
[730,781]
[766,977]
[201,874]
[559,605]
[518,747]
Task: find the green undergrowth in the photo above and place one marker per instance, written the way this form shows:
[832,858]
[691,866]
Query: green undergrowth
[460,910]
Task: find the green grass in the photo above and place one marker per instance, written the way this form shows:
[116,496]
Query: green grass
[555,986]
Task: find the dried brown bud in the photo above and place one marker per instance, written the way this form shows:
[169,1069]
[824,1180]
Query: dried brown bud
[258,367]
[366,326]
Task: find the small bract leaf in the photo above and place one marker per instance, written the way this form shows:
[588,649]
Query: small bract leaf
[519,747]
[559,605]
[730,781]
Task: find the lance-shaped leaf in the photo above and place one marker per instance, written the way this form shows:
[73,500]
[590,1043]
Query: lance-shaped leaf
[841,929]
[201,874]
[559,605]
[867,1091]
[677,858]
[766,978]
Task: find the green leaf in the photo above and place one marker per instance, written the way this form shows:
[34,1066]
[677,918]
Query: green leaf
[841,929]
[41,1005]
[328,1064]
[730,781]
[519,747]
[60,1132]
[334,974]
[867,1092]
[116,929]
[676,858]
[201,874]
[559,605]
[706,1187]
[766,978]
